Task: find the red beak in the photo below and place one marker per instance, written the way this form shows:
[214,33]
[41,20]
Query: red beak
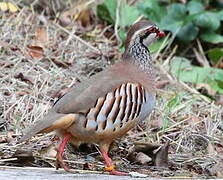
[161,34]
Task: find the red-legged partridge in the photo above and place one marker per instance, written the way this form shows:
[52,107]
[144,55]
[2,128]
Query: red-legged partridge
[110,103]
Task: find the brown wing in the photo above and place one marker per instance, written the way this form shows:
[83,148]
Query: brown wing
[84,96]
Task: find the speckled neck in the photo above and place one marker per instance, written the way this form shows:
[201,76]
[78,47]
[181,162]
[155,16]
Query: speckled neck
[140,55]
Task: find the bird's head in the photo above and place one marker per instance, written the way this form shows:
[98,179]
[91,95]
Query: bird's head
[144,32]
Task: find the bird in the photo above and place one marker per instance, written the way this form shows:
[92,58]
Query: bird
[108,104]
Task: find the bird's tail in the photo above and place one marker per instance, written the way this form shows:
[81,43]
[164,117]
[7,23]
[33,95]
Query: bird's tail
[51,122]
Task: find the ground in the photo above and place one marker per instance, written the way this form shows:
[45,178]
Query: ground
[41,60]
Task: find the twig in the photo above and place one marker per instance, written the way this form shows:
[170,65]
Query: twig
[79,39]
[201,58]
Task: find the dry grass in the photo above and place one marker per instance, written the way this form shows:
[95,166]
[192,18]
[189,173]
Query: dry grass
[191,123]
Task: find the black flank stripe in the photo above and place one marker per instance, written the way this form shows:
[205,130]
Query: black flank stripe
[136,95]
[144,92]
[98,108]
[85,123]
[118,99]
[134,108]
[104,124]
[139,110]
[129,111]
[141,94]
[130,93]
[124,107]
[134,111]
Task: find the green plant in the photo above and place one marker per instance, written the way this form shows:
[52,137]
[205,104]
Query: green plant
[186,21]
[182,69]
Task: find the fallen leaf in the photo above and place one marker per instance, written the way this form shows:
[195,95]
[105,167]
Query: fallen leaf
[8,6]
[161,155]
[41,36]
[84,17]
[142,158]
[12,7]
[3,6]
[36,52]
[79,11]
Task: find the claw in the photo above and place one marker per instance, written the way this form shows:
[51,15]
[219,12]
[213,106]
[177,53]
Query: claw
[110,167]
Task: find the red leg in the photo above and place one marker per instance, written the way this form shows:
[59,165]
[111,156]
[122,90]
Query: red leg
[60,152]
[109,166]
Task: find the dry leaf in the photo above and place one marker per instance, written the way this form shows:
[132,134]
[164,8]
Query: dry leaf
[142,158]
[7,6]
[79,11]
[161,156]
[41,36]
[36,52]
[84,17]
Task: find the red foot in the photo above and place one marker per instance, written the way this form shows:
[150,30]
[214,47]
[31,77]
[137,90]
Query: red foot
[60,152]
[109,167]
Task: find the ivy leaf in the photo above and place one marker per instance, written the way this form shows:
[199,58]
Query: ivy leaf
[195,7]
[184,71]
[152,10]
[207,20]
[188,33]
[215,55]
[212,37]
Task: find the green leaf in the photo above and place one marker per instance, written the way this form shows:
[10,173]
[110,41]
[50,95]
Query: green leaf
[111,6]
[194,7]
[212,37]
[207,20]
[152,10]
[184,71]
[176,11]
[179,23]
[188,33]
[174,19]
[128,14]
[215,55]
[106,11]
[220,15]
[122,35]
